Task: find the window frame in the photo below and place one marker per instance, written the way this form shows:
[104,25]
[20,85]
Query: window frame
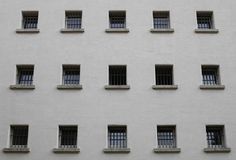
[174,128]
[60,137]
[11,137]
[108,136]
[206,14]
[164,66]
[120,14]
[26,14]
[109,75]
[80,16]
[217,71]
[19,69]
[75,67]
[222,139]
[158,14]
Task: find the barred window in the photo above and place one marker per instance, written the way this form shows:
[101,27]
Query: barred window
[164,75]
[117,137]
[161,19]
[205,20]
[166,136]
[117,75]
[68,136]
[210,75]
[215,136]
[117,19]
[25,74]
[30,19]
[73,19]
[19,136]
[71,74]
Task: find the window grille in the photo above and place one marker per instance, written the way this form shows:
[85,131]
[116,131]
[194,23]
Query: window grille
[25,75]
[204,20]
[68,136]
[164,75]
[117,137]
[30,20]
[161,20]
[215,136]
[19,136]
[117,75]
[166,137]
[117,19]
[71,75]
[73,19]
[210,75]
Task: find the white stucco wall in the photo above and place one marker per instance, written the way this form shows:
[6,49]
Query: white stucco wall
[140,108]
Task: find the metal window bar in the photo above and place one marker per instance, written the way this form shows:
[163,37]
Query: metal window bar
[30,22]
[73,20]
[161,20]
[117,137]
[117,20]
[210,76]
[117,75]
[71,76]
[164,75]
[19,136]
[166,137]
[215,137]
[204,21]
[25,76]
[68,137]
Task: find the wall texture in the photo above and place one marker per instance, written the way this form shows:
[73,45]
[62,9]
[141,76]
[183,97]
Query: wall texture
[140,108]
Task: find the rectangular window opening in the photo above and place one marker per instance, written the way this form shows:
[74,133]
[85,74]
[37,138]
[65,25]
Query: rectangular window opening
[210,75]
[215,136]
[205,20]
[71,74]
[161,19]
[117,75]
[117,19]
[30,19]
[166,136]
[25,74]
[19,136]
[164,75]
[73,19]
[68,136]
[117,137]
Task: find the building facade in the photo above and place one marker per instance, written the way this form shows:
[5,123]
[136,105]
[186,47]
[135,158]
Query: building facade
[117,80]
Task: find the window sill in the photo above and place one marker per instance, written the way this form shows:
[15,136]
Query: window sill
[216,87]
[27,31]
[18,86]
[16,150]
[206,31]
[66,150]
[67,30]
[166,150]
[163,87]
[168,30]
[217,150]
[64,87]
[117,30]
[116,150]
[117,87]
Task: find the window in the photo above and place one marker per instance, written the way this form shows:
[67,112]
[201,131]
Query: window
[164,75]
[25,74]
[30,19]
[210,75]
[19,137]
[117,75]
[205,20]
[161,20]
[71,74]
[117,137]
[215,136]
[117,19]
[73,19]
[67,136]
[166,136]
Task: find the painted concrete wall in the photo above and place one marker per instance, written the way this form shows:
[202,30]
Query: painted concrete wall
[140,108]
